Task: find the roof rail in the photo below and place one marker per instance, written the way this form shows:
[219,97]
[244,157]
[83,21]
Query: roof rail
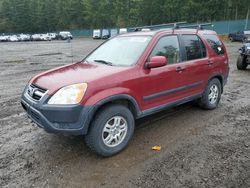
[197,26]
[173,26]
[155,26]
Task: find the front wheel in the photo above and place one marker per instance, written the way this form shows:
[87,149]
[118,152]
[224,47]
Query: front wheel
[111,130]
[242,62]
[211,96]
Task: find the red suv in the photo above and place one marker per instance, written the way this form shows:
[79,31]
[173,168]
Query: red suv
[128,77]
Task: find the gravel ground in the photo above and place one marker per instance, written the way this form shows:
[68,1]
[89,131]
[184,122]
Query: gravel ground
[199,148]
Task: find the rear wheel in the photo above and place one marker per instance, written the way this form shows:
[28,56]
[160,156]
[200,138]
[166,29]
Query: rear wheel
[111,130]
[211,96]
[242,62]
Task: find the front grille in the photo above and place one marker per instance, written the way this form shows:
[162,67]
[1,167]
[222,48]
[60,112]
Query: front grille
[36,92]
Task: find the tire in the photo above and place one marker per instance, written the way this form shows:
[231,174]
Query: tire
[100,130]
[210,99]
[241,62]
[231,39]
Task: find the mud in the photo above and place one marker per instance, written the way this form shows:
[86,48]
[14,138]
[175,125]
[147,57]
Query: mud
[199,148]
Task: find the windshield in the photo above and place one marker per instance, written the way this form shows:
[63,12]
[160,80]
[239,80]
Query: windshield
[120,51]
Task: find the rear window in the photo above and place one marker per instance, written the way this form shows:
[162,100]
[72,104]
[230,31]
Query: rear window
[215,43]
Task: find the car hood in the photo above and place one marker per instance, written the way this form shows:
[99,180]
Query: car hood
[57,78]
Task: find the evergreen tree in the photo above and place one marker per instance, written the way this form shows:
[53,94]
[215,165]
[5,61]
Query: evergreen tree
[53,15]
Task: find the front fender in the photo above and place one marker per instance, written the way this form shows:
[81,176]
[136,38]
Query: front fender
[113,94]
[106,96]
[96,98]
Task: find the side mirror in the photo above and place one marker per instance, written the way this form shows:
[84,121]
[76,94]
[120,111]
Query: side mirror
[157,61]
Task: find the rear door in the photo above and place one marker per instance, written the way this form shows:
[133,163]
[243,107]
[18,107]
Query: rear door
[197,66]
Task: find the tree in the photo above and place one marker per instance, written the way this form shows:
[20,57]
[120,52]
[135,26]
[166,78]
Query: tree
[53,15]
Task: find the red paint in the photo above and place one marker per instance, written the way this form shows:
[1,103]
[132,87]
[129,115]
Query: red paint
[157,61]
[139,81]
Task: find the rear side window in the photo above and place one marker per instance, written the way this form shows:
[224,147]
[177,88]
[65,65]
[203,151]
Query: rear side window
[168,46]
[194,47]
[215,43]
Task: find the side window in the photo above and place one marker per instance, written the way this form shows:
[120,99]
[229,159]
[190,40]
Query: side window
[168,46]
[194,47]
[215,43]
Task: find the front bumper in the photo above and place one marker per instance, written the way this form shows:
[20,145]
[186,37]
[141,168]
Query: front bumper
[58,119]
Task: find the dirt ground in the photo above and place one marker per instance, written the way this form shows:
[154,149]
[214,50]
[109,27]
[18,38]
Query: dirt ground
[199,148]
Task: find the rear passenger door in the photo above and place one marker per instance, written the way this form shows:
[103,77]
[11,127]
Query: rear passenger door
[197,64]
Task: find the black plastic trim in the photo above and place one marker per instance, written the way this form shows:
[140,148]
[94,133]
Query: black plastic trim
[119,97]
[67,119]
[171,91]
[59,119]
[73,126]
[169,105]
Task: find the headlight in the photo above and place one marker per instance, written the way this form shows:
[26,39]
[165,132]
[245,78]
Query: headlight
[72,94]
[248,47]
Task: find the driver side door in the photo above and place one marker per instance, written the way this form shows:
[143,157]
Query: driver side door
[161,86]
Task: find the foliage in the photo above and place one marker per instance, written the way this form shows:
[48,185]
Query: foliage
[53,15]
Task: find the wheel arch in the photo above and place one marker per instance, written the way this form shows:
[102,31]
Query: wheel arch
[220,78]
[122,99]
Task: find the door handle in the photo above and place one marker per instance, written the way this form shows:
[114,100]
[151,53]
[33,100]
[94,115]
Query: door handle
[180,69]
[209,62]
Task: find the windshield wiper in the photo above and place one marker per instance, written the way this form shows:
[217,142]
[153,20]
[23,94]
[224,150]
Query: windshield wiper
[104,62]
